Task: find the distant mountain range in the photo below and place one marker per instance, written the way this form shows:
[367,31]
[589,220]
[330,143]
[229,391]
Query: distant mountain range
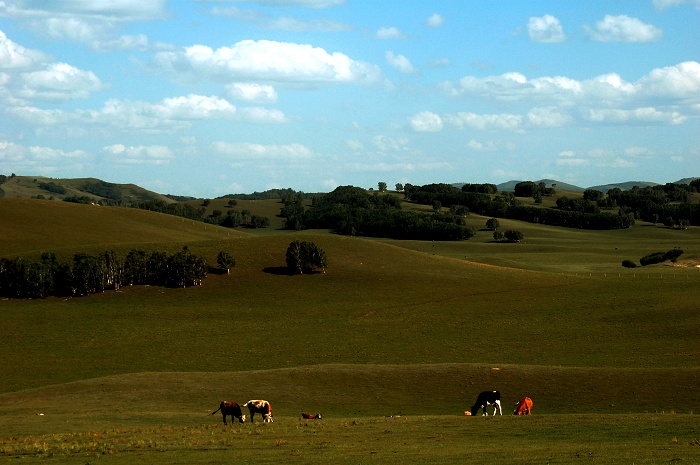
[510,185]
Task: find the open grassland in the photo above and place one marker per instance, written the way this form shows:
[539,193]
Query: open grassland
[560,439]
[407,330]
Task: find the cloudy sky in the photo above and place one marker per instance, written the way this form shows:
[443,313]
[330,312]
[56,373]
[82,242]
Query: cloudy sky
[206,98]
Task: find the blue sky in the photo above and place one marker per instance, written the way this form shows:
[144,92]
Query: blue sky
[206,98]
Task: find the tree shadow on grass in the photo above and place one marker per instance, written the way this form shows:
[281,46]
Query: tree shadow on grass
[285,271]
[278,270]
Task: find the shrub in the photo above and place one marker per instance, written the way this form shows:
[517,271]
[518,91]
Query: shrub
[513,235]
[656,257]
[673,255]
[629,264]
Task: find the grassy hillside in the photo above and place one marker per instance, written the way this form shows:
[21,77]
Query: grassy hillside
[32,226]
[26,187]
[407,329]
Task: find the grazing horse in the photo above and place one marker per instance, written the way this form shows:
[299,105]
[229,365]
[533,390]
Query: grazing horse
[524,407]
[487,398]
[230,408]
[262,407]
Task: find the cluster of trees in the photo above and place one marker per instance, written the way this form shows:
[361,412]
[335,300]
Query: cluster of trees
[305,257]
[352,211]
[506,205]
[88,274]
[656,257]
[235,218]
[531,189]
[668,203]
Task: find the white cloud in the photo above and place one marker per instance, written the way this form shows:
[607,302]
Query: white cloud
[548,117]
[117,10]
[622,28]
[87,21]
[168,115]
[252,92]
[572,162]
[546,29]
[640,115]
[477,146]
[139,155]
[314,4]
[386,144]
[193,107]
[297,25]
[265,60]
[14,56]
[664,95]
[504,121]
[681,81]
[244,150]
[400,63]
[389,33]
[59,81]
[39,157]
[426,121]
[664,4]
[434,21]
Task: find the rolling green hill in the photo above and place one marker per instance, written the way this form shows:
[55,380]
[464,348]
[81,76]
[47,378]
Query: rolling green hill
[26,187]
[411,329]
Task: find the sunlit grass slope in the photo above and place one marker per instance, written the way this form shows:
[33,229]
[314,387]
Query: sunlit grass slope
[377,304]
[34,226]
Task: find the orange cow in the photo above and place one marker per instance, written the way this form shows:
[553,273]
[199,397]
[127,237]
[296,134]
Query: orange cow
[524,407]
[262,407]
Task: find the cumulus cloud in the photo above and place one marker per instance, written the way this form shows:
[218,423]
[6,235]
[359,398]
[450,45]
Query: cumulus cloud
[548,117]
[314,4]
[434,21]
[265,60]
[477,146]
[93,22]
[14,56]
[672,92]
[426,122]
[546,29]
[168,115]
[36,157]
[501,121]
[245,150]
[664,4]
[59,81]
[400,63]
[638,115]
[386,144]
[622,28]
[139,155]
[389,33]
[252,92]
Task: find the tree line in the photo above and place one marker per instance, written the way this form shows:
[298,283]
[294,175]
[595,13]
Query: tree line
[669,204]
[88,274]
[353,211]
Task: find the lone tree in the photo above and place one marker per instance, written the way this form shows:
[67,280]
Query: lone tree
[513,235]
[492,224]
[382,186]
[305,257]
[225,261]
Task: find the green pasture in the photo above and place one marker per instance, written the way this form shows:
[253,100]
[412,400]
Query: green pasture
[391,345]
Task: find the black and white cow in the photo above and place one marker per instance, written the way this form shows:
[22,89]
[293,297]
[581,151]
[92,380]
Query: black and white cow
[488,398]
